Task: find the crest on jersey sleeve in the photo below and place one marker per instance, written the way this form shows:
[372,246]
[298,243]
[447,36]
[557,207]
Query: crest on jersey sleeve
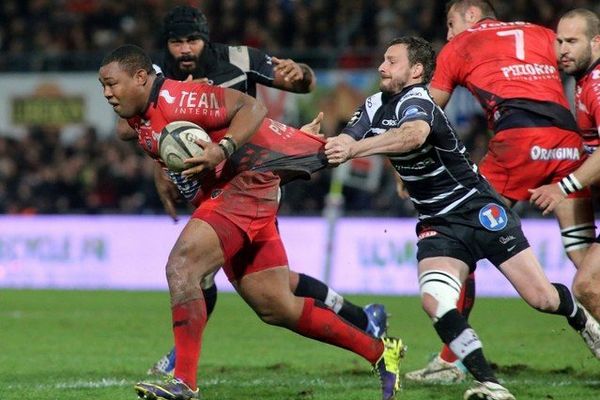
[355,118]
[493,217]
[413,111]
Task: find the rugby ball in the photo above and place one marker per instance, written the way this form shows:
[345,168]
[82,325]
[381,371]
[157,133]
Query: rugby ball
[177,143]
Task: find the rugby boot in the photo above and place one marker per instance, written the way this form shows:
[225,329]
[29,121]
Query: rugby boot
[388,366]
[165,366]
[172,389]
[591,334]
[439,371]
[377,320]
[488,391]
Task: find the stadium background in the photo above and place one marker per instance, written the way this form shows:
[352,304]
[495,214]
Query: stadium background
[59,156]
[79,211]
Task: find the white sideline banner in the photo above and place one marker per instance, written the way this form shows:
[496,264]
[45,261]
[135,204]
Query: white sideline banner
[370,255]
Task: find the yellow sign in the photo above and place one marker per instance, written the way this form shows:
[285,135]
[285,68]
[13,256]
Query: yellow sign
[54,110]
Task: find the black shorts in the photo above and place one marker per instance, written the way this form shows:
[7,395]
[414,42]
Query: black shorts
[482,227]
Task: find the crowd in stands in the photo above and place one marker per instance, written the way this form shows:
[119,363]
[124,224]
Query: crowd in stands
[39,173]
[41,35]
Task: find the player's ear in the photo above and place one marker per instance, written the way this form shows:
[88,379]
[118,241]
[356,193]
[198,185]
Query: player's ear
[141,77]
[472,14]
[417,70]
[596,42]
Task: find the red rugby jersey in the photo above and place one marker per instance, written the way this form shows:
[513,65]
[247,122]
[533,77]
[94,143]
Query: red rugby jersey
[276,147]
[587,101]
[500,62]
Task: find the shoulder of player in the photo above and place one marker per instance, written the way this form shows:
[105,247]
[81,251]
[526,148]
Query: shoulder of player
[589,80]
[416,92]
[172,89]
[244,57]
[594,73]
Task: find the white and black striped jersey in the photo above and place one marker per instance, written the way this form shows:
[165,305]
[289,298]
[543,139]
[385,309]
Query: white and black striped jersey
[439,175]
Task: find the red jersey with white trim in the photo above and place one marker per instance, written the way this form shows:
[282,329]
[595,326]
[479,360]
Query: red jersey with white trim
[587,101]
[286,151]
[511,68]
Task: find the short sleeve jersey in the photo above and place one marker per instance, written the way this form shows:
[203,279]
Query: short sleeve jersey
[587,101]
[506,66]
[439,175]
[275,147]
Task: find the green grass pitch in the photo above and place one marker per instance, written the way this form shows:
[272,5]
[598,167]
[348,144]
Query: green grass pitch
[96,344]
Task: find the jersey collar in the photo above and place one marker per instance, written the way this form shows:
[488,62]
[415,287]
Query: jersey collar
[153,99]
[589,70]
[390,96]
[482,20]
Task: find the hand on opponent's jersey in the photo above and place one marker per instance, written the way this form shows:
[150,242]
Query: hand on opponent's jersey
[212,156]
[547,197]
[338,149]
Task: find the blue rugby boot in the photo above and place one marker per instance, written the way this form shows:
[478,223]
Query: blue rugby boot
[173,389]
[377,319]
[165,366]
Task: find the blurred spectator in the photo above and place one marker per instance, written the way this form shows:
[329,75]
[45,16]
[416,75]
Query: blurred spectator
[74,34]
[45,173]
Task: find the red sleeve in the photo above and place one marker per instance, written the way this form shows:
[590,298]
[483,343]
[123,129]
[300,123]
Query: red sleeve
[445,75]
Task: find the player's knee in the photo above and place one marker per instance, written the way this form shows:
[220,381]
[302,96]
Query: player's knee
[439,292]
[584,289]
[274,310]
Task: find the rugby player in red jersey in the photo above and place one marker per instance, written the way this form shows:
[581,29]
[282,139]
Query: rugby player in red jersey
[511,68]
[189,53]
[578,36]
[234,184]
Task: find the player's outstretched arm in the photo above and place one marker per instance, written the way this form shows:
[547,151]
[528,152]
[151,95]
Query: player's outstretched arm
[408,136]
[292,76]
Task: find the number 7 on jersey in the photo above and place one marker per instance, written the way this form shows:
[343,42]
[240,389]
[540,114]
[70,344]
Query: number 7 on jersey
[519,41]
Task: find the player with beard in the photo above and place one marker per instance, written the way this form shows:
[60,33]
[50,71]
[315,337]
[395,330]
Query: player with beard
[189,54]
[511,69]
[578,36]
[462,219]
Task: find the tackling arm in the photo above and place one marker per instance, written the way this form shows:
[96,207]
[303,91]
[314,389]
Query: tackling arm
[409,136]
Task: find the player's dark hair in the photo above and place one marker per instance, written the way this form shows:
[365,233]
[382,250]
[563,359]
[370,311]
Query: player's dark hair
[131,59]
[487,9]
[185,21]
[419,51]
[592,22]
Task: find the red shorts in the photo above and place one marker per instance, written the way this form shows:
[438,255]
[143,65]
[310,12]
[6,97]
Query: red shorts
[242,212]
[519,159]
